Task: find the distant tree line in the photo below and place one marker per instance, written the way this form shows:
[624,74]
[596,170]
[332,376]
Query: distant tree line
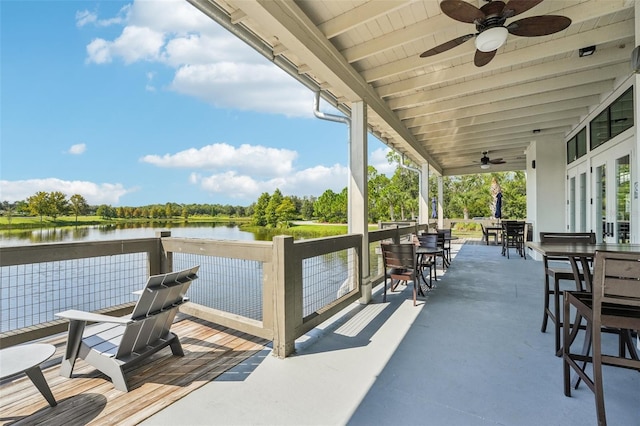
[396,198]
[51,204]
[55,204]
[390,198]
[469,196]
[276,210]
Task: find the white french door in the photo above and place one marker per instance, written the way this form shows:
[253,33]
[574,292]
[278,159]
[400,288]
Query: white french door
[577,206]
[611,194]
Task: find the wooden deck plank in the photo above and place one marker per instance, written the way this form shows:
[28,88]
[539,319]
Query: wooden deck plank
[182,375]
[90,398]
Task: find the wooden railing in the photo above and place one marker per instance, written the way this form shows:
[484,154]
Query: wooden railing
[300,283]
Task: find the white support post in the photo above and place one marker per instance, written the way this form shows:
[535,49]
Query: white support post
[634,233]
[358,197]
[424,210]
[440,202]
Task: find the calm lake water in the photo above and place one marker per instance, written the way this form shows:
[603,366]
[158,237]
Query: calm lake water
[32,294]
[218,231]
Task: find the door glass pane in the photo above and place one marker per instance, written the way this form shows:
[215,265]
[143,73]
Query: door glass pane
[572,204]
[623,199]
[583,203]
[601,204]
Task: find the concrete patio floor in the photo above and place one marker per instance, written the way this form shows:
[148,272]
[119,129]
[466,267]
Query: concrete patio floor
[471,353]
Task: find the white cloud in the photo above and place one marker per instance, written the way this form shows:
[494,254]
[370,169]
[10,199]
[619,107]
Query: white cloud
[84,17]
[312,181]
[99,51]
[378,159]
[94,193]
[78,148]
[315,180]
[255,159]
[134,44]
[209,63]
[170,16]
[254,87]
[150,87]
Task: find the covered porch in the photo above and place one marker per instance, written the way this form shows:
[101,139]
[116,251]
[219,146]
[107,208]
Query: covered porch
[471,353]
[550,104]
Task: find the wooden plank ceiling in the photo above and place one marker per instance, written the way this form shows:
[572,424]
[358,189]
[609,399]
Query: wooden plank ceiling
[443,109]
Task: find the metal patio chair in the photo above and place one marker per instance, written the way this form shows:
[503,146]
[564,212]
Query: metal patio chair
[400,265]
[612,306]
[557,272]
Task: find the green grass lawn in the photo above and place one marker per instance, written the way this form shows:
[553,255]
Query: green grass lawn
[305,230]
[29,222]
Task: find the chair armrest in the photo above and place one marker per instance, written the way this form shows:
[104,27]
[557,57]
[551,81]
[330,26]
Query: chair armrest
[92,317]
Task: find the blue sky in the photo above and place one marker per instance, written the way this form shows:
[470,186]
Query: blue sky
[135,103]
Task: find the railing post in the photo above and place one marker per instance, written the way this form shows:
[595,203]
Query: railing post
[396,236]
[162,261]
[287,276]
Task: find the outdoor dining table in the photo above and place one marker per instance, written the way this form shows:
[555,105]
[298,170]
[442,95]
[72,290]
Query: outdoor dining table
[495,228]
[580,254]
[432,252]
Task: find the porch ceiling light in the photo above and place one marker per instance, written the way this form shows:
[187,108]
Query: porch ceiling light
[491,39]
[586,51]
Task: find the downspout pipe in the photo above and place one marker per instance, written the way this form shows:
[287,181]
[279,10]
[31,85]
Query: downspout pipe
[338,119]
[413,169]
[405,166]
[330,117]
[347,284]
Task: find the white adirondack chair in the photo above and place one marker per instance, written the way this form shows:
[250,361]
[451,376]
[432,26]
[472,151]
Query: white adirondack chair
[115,344]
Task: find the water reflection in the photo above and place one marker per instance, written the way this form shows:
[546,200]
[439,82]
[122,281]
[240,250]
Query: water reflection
[47,235]
[219,231]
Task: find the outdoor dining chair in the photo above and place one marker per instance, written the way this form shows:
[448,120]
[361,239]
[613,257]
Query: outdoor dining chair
[513,237]
[557,272]
[446,243]
[428,252]
[486,234]
[612,306]
[399,265]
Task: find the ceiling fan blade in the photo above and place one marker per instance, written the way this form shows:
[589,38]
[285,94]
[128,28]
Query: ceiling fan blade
[539,25]
[446,46]
[516,7]
[493,8]
[483,58]
[497,161]
[461,11]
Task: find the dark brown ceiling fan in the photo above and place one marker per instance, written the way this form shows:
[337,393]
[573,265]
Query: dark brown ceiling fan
[491,31]
[485,162]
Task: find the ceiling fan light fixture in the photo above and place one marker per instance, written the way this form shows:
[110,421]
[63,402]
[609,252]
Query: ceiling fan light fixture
[485,166]
[491,39]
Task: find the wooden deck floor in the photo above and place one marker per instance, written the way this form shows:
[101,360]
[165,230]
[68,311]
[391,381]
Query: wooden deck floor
[89,397]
